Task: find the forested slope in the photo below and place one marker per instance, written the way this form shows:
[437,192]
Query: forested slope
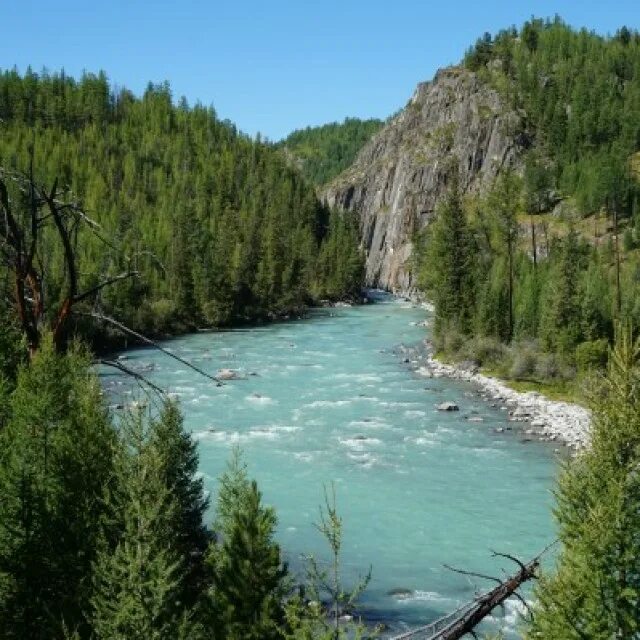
[323,152]
[547,259]
[220,228]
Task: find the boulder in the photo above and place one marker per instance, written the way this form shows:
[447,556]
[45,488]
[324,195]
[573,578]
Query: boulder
[447,406]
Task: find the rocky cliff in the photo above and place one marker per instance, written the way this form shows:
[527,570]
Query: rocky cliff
[400,175]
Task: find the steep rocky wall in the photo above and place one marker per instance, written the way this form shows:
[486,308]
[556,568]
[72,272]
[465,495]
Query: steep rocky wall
[400,175]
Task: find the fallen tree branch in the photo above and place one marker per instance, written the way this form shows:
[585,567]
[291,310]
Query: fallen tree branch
[152,343]
[133,374]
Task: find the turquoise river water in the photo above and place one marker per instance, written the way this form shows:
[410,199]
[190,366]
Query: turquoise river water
[332,401]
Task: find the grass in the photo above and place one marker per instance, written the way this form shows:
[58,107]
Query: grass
[563,391]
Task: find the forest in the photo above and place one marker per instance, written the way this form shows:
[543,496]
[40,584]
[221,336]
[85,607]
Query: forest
[321,153]
[217,227]
[547,261]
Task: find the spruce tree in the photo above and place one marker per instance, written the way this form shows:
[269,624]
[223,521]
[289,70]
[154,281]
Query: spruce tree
[138,584]
[56,454]
[249,578]
[179,473]
[594,591]
[448,266]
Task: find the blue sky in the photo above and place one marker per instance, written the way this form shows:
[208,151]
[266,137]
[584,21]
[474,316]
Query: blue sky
[274,66]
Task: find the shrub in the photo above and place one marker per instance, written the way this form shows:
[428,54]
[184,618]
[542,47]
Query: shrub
[592,355]
[548,366]
[484,351]
[524,362]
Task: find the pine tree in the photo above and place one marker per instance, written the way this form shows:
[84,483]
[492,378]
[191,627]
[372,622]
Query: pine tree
[249,578]
[178,472]
[138,584]
[55,459]
[595,590]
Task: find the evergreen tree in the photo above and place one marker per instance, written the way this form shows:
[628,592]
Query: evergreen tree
[448,269]
[595,590]
[179,473]
[249,578]
[55,460]
[138,585]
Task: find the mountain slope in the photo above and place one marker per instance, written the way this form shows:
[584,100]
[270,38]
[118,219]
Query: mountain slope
[401,174]
[321,153]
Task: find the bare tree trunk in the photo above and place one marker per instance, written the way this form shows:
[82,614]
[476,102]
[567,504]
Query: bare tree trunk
[534,247]
[488,602]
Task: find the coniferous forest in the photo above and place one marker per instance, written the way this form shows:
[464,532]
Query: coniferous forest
[547,260]
[219,229]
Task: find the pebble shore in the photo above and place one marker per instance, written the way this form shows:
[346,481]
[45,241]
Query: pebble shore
[551,420]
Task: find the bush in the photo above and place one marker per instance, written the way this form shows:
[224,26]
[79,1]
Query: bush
[548,367]
[484,351]
[591,355]
[450,341]
[524,363]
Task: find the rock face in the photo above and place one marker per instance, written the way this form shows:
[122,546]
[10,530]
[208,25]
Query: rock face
[399,177]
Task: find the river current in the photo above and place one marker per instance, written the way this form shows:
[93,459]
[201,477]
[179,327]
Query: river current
[330,400]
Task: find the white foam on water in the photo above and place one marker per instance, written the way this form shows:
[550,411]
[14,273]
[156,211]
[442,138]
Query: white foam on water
[425,596]
[304,456]
[414,413]
[359,444]
[327,403]
[256,399]
[374,423]
[422,441]
[358,377]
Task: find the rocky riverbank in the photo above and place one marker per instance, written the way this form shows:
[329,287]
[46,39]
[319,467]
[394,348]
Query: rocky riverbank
[547,419]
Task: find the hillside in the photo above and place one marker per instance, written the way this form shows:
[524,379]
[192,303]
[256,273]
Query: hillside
[567,102]
[321,153]
[507,190]
[220,228]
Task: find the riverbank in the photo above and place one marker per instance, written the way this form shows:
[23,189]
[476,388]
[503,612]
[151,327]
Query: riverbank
[547,419]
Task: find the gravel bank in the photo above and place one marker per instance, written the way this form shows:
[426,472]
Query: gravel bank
[547,419]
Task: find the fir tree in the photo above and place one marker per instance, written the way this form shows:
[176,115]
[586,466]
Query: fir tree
[55,460]
[178,471]
[139,583]
[449,264]
[595,590]
[249,578]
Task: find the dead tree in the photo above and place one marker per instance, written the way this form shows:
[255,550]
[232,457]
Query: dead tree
[27,223]
[486,603]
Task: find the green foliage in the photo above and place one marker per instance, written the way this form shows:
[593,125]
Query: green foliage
[221,229]
[581,96]
[308,620]
[595,589]
[178,471]
[138,585]
[447,270]
[592,355]
[324,152]
[249,578]
[56,459]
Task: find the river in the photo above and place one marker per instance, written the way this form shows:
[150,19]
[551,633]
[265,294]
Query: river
[332,401]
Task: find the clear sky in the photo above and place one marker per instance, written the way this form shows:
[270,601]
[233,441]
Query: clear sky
[273,65]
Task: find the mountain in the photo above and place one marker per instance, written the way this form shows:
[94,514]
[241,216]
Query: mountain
[560,107]
[400,175]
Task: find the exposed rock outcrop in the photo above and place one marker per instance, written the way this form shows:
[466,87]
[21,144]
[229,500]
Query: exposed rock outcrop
[400,175]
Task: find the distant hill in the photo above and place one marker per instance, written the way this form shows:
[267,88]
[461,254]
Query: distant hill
[321,153]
